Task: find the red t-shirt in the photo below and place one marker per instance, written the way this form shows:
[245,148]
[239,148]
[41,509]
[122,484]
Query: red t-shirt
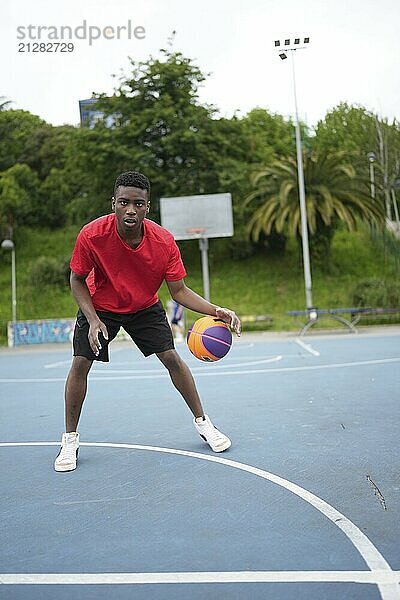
[122,279]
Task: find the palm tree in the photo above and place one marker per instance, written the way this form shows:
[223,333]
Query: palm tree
[334,194]
[4,103]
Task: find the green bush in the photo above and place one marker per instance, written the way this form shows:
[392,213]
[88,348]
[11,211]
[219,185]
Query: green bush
[48,270]
[241,249]
[377,293]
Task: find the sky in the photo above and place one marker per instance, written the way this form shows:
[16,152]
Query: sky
[353,54]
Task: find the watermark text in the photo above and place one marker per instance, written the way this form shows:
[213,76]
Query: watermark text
[84,31]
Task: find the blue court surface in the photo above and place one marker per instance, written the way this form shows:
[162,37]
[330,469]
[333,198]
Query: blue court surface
[305,504]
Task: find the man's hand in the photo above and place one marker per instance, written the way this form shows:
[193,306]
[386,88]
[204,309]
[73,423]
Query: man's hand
[228,316]
[95,329]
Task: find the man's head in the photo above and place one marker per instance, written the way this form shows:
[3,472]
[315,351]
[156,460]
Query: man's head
[131,202]
[132,179]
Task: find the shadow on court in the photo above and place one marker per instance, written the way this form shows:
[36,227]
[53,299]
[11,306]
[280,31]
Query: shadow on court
[305,504]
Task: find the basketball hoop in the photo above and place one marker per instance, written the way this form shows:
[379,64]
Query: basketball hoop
[199,217]
[196,232]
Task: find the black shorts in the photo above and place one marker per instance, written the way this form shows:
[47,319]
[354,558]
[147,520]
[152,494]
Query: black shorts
[148,328]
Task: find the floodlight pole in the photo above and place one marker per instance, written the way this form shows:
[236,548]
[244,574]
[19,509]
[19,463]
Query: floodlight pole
[302,197]
[313,315]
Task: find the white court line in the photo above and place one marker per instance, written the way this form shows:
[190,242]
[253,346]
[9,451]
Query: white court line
[374,577]
[307,347]
[97,501]
[213,373]
[194,369]
[188,358]
[371,555]
[60,363]
[63,363]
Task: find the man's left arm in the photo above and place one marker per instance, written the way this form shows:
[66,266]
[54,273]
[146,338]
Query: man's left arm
[188,298]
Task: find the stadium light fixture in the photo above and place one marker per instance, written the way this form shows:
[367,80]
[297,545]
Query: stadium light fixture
[300,176]
[9,245]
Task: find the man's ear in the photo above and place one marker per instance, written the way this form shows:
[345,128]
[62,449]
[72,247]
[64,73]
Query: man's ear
[148,207]
[113,203]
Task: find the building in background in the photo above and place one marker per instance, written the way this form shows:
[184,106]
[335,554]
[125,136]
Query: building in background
[90,115]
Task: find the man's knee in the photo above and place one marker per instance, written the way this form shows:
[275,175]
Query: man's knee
[80,366]
[171,360]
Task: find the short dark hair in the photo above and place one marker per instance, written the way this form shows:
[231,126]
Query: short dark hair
[132,179]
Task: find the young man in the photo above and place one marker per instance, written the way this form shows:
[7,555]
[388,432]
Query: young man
[118,265]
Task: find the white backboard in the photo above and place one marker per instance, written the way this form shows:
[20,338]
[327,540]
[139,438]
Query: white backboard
[193,217]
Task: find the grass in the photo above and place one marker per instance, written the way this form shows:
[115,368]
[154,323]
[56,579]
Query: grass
[33,303]
[273,285]
[261,284]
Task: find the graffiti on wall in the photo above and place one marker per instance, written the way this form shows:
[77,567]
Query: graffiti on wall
[47,331]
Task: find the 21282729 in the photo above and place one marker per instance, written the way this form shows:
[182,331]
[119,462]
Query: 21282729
[45,47]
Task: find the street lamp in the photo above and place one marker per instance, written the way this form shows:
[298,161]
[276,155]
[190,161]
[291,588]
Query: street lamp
[284,49]
[371,159]
[9,245]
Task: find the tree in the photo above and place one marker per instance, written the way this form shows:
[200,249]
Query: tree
[156,107]
[355,130]
[347,128]
[54,197]
[4,104]
[16,128]
[93,159]
[155,123]
[180,143]
[271,136]
[19,196]
[388,163]
[46,148]
[334,195]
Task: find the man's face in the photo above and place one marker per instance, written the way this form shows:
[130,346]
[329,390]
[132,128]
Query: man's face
[130,206]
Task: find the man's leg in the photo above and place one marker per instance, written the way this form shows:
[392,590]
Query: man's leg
[183,380]
[75,391]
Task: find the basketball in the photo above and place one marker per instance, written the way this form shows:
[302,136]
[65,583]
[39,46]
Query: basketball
[209,339]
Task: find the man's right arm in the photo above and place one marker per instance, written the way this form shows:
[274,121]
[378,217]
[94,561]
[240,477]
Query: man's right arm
[82,296]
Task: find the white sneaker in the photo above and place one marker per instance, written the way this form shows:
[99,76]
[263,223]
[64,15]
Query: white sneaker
[210,434]
[68,455]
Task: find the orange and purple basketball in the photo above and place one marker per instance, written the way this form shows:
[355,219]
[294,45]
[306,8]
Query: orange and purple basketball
[209,339]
